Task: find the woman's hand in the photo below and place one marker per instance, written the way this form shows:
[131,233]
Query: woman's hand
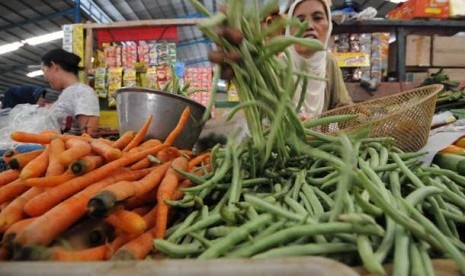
[224,58]
[88,124]
[305,116]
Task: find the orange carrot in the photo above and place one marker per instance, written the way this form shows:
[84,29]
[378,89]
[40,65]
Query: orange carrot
[8,176]
[55,221]
[142,164]
[21,159]
[49,181]
[13,230]
[34,138]
[97,253]
[197,160]
[86,164]
[186,152]
[106,141]
[140,246]
[119,241]
[85,138]
[36,167]
[4,205]
[151,180]
[143,210]
[166,191]
[4,254]
[86,135]
[460,142]
[75,149]
[107,199]
[136,249]
[151,217]
[53,196]
[106,151]
[8,154]
[12,190]
[453,149]
[146,144]
[57,146]
[175,152]
[164,155]
[51,132]
[102,204]
[179,127]
[127,221]
[140,135]
[14,211]
[178,194]
[138,201]
[124,140]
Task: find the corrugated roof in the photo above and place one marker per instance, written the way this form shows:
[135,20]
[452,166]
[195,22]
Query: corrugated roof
[22,19]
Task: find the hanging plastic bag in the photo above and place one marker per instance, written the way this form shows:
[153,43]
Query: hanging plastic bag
[25,117]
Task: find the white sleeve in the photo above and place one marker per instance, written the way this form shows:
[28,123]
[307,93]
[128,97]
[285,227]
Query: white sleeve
[86,103]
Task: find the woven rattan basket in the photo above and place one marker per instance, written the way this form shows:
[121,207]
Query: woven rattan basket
[405,116]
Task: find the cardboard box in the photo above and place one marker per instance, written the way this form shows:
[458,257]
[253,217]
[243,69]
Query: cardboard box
[416,76]
[417,52]
[453,73]
[457,8]
[421,9]
[448,51]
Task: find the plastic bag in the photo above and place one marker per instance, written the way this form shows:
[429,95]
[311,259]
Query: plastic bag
[25,117]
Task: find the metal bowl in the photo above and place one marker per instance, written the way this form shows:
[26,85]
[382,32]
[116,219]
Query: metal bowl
[134,106]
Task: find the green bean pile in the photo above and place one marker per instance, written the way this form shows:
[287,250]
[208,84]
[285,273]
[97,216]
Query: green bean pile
[355,199]
[294,191]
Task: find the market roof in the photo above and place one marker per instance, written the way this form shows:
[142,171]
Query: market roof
[23,19]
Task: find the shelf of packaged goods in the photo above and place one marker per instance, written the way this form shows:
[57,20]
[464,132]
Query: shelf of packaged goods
[402,28]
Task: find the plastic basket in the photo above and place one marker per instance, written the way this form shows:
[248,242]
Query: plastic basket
[405,116]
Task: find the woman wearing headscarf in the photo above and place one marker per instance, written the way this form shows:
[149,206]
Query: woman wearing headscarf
[24,94]
[77,100]
[320,95]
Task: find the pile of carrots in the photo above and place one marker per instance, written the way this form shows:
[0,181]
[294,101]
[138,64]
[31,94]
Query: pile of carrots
[89,199]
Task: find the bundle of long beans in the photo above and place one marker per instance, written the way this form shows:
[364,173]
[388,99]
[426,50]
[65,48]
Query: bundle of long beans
[288,190]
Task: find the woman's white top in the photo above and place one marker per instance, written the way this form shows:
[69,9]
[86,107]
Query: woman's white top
[76,99]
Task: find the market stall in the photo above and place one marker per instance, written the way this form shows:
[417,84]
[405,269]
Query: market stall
[350,184]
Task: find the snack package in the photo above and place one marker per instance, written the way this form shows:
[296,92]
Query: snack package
[68,37]
[129,78]
[153,54]
[119,56]
[143,54]
[100,60]
[151,78]
[163,76]
[172,55]
[162,54]
[130,56]
[110,56]
[142,80]
[78,42]
[115,78]
[100,84]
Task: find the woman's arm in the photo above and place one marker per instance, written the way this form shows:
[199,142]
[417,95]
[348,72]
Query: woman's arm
[339,95]
[88,124]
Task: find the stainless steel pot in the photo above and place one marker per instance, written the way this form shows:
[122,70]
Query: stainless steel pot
[134,106]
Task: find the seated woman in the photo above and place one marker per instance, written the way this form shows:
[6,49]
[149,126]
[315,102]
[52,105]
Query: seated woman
[24,94]
[77,100]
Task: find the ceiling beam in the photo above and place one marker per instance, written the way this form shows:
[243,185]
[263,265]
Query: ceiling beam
[141,23]
[37,19]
